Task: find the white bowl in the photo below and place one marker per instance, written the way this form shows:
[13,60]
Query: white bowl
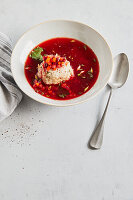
[61,28]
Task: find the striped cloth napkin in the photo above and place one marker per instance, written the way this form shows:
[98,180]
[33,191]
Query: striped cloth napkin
[10,95]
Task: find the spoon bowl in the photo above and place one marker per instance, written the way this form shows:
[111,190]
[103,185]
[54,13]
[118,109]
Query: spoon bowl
[120,71]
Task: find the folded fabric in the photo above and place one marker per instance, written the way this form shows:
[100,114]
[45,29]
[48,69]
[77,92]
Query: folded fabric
[10,95]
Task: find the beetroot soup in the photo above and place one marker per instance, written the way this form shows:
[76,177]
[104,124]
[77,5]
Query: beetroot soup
[61,68]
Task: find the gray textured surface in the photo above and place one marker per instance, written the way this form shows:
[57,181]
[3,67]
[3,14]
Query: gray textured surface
[43,149]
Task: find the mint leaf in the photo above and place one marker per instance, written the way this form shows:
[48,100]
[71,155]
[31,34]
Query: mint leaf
[36,54]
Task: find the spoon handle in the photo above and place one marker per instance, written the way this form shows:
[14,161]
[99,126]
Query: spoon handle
[97,136]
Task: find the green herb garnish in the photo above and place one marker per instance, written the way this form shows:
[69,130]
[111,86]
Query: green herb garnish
[94,59]
[80,73]
[36,77]
[62,95]
[36,54]
[79,93]
[85,47]
[86,89]
[90,72]
[82,65]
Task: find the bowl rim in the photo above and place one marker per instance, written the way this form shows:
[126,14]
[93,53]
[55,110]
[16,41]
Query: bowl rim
[54,104]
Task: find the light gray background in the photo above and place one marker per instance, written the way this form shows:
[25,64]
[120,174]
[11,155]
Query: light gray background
[43,149]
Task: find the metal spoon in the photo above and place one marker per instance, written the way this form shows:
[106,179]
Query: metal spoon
[117,80]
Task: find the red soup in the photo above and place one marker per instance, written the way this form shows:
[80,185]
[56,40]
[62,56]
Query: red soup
[61,68]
